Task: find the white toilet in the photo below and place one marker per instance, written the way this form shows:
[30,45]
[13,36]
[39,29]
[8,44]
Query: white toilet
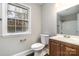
[38,47]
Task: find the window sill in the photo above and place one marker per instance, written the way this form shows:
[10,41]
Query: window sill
[14,34]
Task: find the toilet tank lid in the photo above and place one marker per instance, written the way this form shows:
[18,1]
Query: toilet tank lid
[44,35]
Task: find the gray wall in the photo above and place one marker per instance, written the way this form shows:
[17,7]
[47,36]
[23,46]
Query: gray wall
[49,22]
[11,44]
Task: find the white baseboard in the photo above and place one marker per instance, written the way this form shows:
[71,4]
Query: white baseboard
[24,53]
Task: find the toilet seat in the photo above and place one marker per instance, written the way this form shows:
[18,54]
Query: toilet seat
[37,46]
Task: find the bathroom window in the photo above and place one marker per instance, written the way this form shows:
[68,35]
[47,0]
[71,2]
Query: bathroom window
[18,19]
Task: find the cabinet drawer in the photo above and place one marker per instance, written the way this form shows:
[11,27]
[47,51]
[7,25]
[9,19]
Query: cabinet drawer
[54,41]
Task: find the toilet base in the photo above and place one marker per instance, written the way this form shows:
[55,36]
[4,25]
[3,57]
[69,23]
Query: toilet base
[41,52]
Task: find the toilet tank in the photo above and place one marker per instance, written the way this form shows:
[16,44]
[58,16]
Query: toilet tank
[44,39]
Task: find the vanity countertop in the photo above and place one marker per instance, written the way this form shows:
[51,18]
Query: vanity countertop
[73,39]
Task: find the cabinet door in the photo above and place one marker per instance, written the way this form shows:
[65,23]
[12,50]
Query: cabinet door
[54,49]
[69,50]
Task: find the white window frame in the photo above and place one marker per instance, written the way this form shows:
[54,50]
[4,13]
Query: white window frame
[4,20]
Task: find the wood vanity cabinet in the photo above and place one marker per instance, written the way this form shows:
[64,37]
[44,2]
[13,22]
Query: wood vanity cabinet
[58,48]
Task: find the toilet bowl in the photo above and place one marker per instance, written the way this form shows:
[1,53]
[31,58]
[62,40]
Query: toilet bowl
[38,47]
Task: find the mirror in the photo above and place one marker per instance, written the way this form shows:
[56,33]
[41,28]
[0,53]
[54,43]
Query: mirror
[68,21]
